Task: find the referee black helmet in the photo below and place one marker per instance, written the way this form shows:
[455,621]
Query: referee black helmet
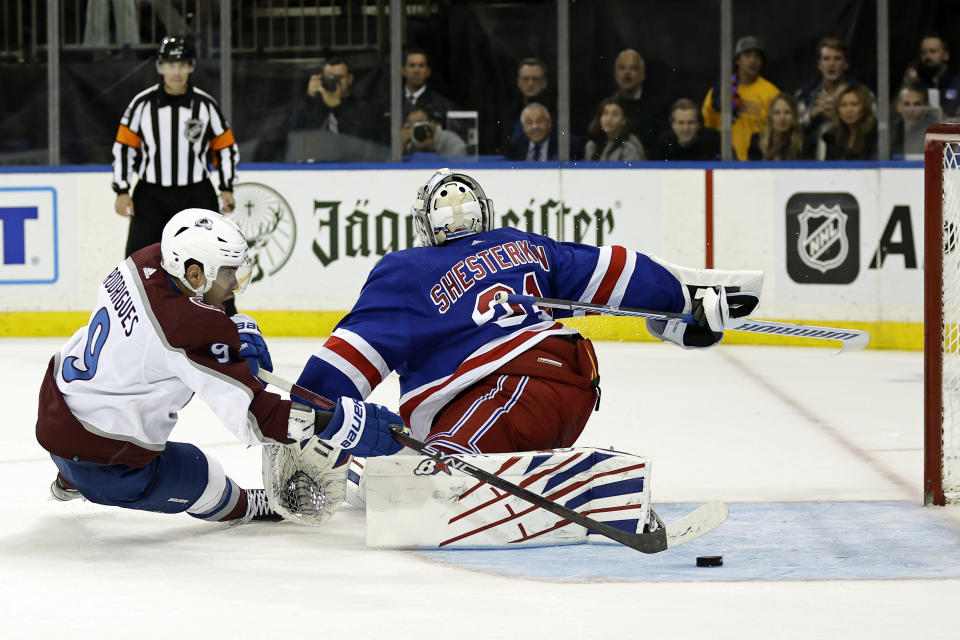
[175,48]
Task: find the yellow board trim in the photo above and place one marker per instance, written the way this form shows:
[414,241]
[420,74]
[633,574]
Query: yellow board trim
[906,336]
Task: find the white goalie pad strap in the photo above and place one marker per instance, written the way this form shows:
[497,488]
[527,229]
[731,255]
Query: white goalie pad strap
[301,482]
[411,502]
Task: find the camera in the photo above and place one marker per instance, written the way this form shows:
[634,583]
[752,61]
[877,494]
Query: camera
[330,82]
[421,131]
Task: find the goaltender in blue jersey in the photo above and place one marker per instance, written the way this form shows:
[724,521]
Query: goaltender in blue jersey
[483,377]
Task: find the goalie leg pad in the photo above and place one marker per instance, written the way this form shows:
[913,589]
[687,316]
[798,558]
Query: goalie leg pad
[305,482]
[416,502]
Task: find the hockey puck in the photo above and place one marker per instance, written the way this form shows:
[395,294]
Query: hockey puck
[709,561]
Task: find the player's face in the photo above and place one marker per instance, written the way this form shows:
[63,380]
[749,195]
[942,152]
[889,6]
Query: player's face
[933,53]
[832,64]
[536,124]
[611,120]
[685,125]
[781,116]
[223,287]
[415,70]
[176,74]
[531,80]
[629,72]
[850,108]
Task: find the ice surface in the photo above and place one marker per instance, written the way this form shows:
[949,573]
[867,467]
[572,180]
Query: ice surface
[819,456]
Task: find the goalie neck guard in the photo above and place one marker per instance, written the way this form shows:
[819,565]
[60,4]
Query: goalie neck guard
[450,206]
[210,239]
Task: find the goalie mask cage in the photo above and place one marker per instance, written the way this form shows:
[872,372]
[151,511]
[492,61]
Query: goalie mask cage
[941,474]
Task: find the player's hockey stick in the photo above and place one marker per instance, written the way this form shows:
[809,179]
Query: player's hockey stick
[700,521]
[850,339]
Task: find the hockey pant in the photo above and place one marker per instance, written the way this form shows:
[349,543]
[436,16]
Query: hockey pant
[154,205]
[539,400]
[182,478]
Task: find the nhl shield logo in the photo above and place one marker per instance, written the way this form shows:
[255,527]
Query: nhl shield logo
[822,238]
[193,129]
[822,243]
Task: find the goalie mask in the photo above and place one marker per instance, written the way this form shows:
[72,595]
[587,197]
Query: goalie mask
[450,206]
[211,240]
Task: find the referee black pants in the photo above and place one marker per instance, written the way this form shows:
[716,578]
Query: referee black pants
[154,205]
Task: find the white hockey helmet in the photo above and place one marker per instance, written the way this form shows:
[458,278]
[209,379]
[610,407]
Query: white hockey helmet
[450,206]
[210,239]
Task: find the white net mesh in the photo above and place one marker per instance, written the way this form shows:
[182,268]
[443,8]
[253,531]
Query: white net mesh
[301,482]
[950,390]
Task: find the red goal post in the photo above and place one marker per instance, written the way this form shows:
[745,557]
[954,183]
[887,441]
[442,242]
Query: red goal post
[941,348]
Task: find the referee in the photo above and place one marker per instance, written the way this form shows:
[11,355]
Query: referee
[165,137]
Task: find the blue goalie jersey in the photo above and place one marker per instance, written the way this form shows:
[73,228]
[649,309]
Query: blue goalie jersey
[428,313]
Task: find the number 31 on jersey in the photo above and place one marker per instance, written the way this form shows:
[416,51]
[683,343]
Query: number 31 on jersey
[508,315]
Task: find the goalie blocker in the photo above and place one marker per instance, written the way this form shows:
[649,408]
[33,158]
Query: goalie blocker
[717,300]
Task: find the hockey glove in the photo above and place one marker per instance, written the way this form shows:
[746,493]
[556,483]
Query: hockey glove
[711,314]
[252,345]
[359,428]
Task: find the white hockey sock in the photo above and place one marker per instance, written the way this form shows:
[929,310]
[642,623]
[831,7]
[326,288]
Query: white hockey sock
[220,495]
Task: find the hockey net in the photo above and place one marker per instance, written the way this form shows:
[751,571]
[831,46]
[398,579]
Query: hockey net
[942,315]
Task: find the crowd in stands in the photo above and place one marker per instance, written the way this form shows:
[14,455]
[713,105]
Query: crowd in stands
[830,117]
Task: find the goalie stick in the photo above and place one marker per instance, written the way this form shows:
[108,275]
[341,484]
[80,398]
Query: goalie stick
[850,339]
[702,520]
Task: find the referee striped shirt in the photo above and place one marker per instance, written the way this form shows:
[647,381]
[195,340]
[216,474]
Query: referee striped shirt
[166,140]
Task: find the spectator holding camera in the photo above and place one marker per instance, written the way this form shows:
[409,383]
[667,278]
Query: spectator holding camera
[422,133]
[329,105]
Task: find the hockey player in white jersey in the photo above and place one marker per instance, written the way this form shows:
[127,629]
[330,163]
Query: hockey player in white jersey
[482,377]
[159,335]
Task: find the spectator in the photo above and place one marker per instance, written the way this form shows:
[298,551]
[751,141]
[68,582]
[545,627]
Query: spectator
[644,111]
[686,139]
[532,84]
[913,115]
[422,133]
[783,138]
[853,135]
[934,71]
[329,104]
[538,142]
[126,20]
[416,93]
[611,139]
[752,94]
[817,99]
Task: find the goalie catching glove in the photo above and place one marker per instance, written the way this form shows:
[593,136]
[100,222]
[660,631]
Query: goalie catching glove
[716,299]
[359,428]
